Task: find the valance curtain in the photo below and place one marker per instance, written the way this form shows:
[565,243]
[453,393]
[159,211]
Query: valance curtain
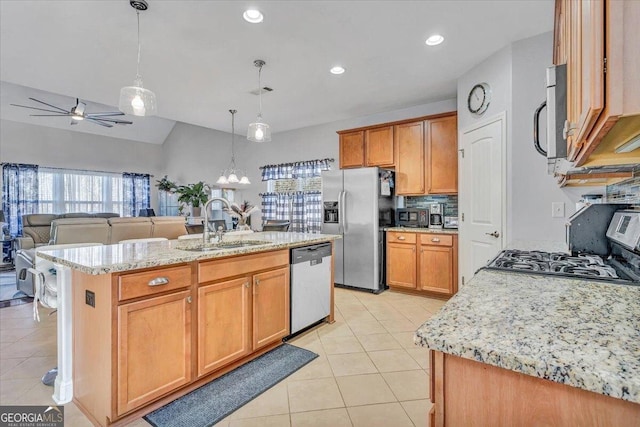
[303,209]
[306,169]
[19,193]
[136,193]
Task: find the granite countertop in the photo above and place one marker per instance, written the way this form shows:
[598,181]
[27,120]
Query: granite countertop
[423,230]
[577,332]
[132,256]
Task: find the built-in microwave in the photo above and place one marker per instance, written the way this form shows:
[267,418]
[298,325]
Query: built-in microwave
[412,217]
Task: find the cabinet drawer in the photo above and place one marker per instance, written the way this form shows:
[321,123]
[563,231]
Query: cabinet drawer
[153,282]
[436,239]
[229,267]
[399,237]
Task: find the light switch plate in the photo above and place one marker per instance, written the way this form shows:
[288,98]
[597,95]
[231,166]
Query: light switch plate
[557,209]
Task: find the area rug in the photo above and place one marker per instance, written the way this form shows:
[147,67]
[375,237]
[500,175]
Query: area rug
[212,402]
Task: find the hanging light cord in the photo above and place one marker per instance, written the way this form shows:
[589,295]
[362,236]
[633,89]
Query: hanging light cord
[233,134]
[138,66]
[260,89]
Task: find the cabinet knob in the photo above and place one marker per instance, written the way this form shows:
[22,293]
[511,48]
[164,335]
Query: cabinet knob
[189,299]
[413,249]
[435,239]
[246,285]
[401,238]
[159,281]
[257,281]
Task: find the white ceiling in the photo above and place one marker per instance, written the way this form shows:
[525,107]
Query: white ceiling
[197,56]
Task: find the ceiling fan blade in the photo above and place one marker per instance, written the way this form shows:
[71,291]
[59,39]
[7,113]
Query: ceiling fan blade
[100,122]
[49,115]
[74,122]
[39,109]
[120,122]
[52,106]
[113,113]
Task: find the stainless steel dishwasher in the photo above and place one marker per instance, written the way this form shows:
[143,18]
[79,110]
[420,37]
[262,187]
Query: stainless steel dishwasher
[310,285]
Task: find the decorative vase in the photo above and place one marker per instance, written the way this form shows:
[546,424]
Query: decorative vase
[196,211]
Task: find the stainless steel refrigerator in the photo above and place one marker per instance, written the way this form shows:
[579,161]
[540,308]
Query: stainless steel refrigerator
[352,206]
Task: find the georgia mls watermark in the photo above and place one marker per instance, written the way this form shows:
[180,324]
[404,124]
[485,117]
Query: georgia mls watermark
[31,416]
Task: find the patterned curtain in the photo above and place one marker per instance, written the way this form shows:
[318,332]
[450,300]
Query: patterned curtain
[276,206]
[302,208]
[307,169]
[19,194]
[136,193]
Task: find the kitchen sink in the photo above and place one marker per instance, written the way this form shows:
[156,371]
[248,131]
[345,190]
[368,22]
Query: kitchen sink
[225,245]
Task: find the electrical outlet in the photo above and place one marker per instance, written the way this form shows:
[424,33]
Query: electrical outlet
[557,209]
[90,298]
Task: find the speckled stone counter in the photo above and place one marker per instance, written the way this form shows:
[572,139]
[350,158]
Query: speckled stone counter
[423,230]
[581,333]
[132,256]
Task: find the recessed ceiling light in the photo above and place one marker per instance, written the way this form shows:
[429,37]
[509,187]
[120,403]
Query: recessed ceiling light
[434,40]
[337,70]
[253,16]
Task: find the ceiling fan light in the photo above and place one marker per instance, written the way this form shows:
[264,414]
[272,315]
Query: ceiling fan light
[137,101]
[77,117]
[253,16]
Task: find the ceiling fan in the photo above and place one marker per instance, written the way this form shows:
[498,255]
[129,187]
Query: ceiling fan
[78,113]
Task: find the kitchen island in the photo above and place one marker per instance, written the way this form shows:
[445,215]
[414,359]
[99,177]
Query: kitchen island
[515,349]
[152,321]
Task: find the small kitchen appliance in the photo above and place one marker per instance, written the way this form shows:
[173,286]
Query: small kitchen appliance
[436,215]
[604,227]
[412,217]
[450,222]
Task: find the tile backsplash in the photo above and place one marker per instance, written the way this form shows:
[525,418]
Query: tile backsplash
[624,192]
[450,203]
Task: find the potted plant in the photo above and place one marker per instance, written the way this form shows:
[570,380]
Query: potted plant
[195,195]
[241,212]
[166,185]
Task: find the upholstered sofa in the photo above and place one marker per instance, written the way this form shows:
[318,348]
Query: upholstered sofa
[96,230]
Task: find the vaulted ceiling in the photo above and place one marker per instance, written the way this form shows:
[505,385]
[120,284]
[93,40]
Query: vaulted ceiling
[197,56]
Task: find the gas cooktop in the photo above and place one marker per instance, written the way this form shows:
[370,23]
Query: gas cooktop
[584,266]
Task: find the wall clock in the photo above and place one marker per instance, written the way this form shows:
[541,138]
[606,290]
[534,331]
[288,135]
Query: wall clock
[479,98]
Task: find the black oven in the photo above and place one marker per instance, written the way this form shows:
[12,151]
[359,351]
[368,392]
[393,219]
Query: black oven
[412,217]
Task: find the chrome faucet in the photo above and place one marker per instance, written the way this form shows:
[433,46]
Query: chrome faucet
[205,209]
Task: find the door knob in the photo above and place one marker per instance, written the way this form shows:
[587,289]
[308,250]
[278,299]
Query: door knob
[494,234]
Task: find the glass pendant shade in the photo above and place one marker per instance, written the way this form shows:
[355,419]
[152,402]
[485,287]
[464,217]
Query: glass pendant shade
[137,101]
[244,180]
[222,180]
[230,175]
[233,178]
[259,131]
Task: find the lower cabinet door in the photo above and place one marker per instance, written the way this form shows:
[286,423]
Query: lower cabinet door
[436,269]
[224,323]
[154,349]
[270,307]
[401,265]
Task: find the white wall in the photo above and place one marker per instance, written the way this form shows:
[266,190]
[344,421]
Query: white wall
[45,146]
[516,74]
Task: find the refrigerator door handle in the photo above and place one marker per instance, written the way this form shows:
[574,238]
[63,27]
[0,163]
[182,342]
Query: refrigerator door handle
[343,203]
[340,220]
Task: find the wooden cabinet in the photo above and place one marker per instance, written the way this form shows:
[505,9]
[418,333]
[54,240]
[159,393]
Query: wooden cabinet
[379,146]
[597,39]
[154,348]
[401,259]
[270,307]
[423,262]
[239,315]
[352,149]
[441,136]
[409,141]
[224,323]
[437,263]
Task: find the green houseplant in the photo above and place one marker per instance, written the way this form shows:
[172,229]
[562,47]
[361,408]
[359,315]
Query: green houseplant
[195,195]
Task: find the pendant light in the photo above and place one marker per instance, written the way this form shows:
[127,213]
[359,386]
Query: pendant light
[259,131]
[232,176]
[136,100]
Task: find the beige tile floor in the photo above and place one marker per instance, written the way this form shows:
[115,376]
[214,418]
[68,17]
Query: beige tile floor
[368,373]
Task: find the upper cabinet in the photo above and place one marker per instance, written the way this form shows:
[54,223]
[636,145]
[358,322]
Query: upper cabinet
[378,146]
[598,41]
[410,158]
[441,137]
[352,149]
[423,152]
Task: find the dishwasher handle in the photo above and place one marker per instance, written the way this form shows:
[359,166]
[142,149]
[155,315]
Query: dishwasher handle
[313,253]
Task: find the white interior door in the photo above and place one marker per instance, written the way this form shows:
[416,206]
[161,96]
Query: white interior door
[482,195]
